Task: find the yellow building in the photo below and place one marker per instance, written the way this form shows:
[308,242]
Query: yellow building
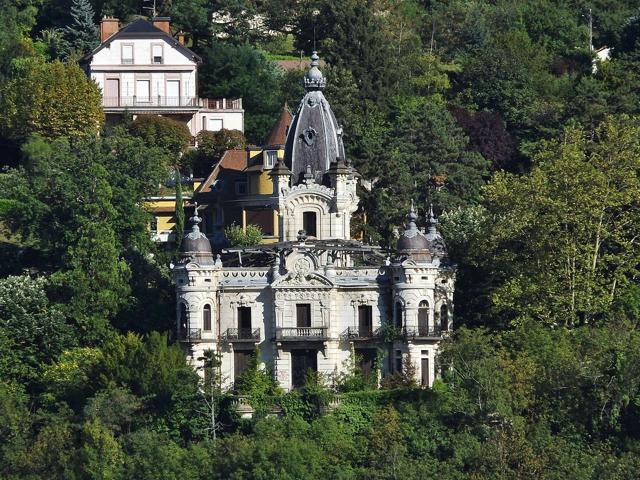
[237,191]
[239,188]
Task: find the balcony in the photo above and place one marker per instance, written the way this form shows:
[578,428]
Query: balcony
[190,335]
[422,332]
[361,333]
[180,103]
[307,334]
[242,335]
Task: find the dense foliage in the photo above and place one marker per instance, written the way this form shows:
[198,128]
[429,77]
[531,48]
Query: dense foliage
[496,112]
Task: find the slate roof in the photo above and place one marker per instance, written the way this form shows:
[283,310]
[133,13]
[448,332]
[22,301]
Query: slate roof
[140,29]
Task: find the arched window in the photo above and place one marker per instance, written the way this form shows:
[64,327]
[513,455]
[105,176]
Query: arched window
[423,318]
[184,321]
[444,317]
[206,318]
[399,315]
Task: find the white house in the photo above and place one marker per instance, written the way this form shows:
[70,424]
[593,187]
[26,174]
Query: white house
[142,69]
[316,296]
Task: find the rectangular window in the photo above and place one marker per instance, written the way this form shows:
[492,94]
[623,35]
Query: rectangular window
[309,221]
[263,218]
[241,188]
[157,54]
[143,90]
[204,122]
[270,158]
[398,365]
[365,321]
[244,318]
[127,54]
[424,377]
[303,315]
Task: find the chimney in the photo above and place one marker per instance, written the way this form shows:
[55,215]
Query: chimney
[108,26]
[162,23]
[180,36]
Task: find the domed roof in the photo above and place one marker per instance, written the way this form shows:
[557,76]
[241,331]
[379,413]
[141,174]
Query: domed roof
[412,239]
[314,139]
[418,245]
[195,243]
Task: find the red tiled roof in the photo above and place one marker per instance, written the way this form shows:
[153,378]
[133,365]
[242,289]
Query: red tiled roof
[278,134]
[231,160]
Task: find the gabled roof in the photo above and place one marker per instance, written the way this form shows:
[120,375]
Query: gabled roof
[278,134]
[235,160]
[140,29]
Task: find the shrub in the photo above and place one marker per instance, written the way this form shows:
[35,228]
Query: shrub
[162,132]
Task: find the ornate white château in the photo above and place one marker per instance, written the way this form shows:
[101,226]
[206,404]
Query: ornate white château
[314,297]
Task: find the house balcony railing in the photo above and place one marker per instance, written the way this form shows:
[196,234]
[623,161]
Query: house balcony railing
[190,334]
[361,333]
[171,102]
[301,333]
[222,103]
[241,335]
[422,332]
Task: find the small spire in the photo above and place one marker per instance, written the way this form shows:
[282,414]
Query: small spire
[314,80]
[432,221]
[412,217]
[195,219]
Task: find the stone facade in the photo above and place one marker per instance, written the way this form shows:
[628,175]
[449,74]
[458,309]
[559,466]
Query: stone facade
[316,296]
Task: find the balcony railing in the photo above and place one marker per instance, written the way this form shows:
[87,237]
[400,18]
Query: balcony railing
[190,334]
[150,101]
[222,103]
[361,333]
[242,335]
[301,333]
[422,332]
[163,101]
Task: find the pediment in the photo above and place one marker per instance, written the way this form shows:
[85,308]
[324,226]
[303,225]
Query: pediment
[302,280]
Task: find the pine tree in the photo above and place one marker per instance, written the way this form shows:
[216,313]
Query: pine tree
[82,33]
[179,210]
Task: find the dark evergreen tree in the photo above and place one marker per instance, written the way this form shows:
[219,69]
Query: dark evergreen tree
[82,33]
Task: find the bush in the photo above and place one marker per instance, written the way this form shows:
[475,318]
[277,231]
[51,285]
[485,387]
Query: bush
[239,237]
[162,132]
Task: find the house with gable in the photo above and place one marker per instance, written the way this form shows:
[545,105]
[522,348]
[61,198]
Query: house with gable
[143,70]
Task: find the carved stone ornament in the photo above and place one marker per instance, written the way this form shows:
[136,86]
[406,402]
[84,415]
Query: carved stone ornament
[309,135]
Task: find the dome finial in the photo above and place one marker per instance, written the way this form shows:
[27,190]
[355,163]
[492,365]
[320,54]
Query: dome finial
[432,221]
[195,219]
[313,79]
[412,217]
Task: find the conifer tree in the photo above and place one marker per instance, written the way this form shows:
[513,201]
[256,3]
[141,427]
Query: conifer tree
[82,33]
[179,210]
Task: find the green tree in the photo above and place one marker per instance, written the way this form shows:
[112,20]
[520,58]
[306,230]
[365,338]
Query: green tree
[563,237]
[163,132]
[212,145]
[81,34]
[50,99]
[34,332]
[100,457]
[242,71]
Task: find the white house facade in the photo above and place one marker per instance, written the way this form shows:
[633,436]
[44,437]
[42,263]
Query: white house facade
[316,297]
[141,69]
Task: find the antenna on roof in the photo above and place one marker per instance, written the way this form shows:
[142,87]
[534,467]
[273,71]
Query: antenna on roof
[152,8]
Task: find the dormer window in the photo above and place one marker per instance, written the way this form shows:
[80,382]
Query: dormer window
[127,54]
[241,188]
[270,158]
[156,54]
